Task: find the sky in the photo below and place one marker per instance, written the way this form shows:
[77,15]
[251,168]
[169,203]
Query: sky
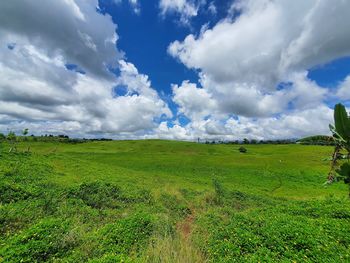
[173,69]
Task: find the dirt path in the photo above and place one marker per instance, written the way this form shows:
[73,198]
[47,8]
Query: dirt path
[185,226]
[185,229]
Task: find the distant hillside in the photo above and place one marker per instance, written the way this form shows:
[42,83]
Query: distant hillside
[317,140]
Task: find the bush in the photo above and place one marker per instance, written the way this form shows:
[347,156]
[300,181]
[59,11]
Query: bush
[42,242]
[284,232]
[10,193]
[102,195]
[242,149]
[127,234]
[97,194]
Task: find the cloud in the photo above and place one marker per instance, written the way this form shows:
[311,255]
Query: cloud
[267,40]
[135,5]
[252,71]
[38,91]
[290,125]
[184,9]
[67,28]
[212,8]
[343,91]
[176,132]
[253,66]
[295,124]
[194,102]
[242,99]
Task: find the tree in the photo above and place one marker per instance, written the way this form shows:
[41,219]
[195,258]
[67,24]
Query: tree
[25,132]
[341,136]
[253,141]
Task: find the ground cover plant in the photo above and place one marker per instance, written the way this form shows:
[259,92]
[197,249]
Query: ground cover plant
[165,201]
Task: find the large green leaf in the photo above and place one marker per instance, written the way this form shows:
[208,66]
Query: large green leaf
[342,121]
[344,171]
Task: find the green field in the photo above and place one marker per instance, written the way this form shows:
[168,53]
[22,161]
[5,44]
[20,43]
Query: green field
[167,201]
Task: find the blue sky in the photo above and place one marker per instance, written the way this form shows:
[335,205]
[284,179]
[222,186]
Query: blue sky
[155,32]
[146,36]
[173,69]
[330,74]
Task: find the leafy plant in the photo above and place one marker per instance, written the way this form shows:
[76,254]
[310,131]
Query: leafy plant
[242,149]
[10,193]
[11,136]
[98,194]
[127,234]
[219,191]
[341,135]
[25,132]
[101,195]
[42,242]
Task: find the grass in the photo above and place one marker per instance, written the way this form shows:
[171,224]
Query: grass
[166,201]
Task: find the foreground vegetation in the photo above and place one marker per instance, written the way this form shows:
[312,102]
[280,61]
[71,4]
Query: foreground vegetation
[162,201]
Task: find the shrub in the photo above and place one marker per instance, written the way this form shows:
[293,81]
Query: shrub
[97,194]
[10,193]
[277,234]
[242,149]
[127,234]
[42,242]
[106,195]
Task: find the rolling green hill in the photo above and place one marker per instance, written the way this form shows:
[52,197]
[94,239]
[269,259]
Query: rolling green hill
[167,201]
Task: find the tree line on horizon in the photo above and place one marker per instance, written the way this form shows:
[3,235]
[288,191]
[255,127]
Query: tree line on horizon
[312,140]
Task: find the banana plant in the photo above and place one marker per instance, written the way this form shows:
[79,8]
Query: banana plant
[341,135]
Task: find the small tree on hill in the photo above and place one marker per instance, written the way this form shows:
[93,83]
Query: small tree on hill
[25,132]
[341,136]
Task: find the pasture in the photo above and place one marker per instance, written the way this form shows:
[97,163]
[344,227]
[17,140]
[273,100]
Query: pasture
[167,201]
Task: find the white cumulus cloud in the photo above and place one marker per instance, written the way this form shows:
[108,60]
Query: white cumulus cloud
[253,65]
[38,91]
[343,91]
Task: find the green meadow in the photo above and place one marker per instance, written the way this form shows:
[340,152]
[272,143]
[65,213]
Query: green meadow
[167,201]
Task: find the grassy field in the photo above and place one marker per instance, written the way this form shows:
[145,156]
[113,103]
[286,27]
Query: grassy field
[166,201]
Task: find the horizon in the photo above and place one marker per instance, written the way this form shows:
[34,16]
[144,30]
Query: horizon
[198,140]
[173,69]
